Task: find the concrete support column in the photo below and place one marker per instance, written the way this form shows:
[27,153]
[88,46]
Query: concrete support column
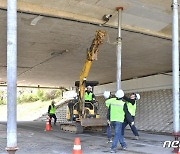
[11,76]
[175,65]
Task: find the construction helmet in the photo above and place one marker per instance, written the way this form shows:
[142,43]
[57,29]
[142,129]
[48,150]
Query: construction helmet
[119,94]
[137,96]
[89,87]
[107,94]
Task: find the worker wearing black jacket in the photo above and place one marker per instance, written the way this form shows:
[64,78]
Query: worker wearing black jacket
[51,112]
[89,96]
[131,105]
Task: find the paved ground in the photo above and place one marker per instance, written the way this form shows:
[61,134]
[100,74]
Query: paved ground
[32,139]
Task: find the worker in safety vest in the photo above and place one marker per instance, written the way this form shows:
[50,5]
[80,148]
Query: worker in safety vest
[52,112]
[108,96]
[89,96]
[118,111]
[131,104]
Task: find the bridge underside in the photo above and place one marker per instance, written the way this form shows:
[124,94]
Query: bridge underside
[53,38]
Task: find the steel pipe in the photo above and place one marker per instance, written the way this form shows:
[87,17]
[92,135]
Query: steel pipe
[11,76]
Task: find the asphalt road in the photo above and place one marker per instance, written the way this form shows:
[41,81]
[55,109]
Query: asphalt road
[32,139]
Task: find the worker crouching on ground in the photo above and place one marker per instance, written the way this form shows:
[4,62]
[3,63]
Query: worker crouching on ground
[108,96]
[131,104]
[51,112]
[118,112]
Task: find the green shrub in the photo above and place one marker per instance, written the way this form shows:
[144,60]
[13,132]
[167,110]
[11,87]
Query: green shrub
[2,102]
[32,98]
[58,93]
[38,95]
[43,96]
[19,101]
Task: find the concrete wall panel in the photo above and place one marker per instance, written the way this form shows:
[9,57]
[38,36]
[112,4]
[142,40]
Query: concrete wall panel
[139,85]
[154,111]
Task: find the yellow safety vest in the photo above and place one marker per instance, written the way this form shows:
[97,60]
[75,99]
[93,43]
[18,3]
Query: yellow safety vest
[131,108]
[108,101]
[52,110]
[117,110]
[88,97]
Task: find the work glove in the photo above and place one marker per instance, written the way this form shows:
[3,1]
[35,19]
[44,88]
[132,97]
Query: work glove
[108,122]
[132,123]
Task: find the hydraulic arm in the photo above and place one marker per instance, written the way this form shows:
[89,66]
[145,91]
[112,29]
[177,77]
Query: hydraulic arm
[91,56]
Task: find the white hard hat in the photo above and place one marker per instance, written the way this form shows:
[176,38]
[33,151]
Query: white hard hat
[107,94]
[89,87]
[119,94]
[138,96]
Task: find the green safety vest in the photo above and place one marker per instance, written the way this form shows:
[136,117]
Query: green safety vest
[52,110]
[117,110]
[108,101]
[88,97]
[131,108]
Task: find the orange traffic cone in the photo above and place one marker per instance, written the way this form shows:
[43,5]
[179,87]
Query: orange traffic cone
[48,126]
[178,151]
[77,146]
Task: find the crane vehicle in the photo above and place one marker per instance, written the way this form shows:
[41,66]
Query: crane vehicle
[80,113]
